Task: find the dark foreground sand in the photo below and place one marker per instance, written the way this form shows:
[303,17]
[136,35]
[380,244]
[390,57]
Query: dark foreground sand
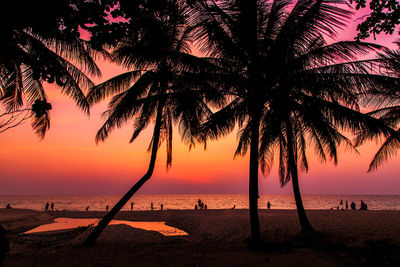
[216,238]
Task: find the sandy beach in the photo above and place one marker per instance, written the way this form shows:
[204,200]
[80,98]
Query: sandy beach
[216,238]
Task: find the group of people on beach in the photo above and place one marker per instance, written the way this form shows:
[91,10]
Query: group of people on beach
[342,206]
[200,205]
[152,206]
[49,207]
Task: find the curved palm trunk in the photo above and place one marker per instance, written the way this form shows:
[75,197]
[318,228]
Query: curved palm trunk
[304,222]
[253,181]
[91,239]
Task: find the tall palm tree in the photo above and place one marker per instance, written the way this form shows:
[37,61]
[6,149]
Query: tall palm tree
[229,31]
[38,49]
[289,85]
[162,87]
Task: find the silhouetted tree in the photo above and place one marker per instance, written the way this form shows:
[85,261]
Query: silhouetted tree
[168,84]
[11,119]
[229,31]
[286,84]
[384,17]
[40,42]
[386,107]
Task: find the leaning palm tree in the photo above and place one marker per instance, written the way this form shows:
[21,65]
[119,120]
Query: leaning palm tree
[163,87]
[289,85]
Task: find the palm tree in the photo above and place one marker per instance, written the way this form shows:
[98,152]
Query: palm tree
[41,49]
[163,87]
[289,85]
[387,108]
[228,31]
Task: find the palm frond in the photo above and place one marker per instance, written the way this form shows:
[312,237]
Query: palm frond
[112,86]
[388,150]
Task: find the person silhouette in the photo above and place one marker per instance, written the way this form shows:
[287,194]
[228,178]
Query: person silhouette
[205,206]
[162,206]
[234,206]
[195,207]
[52,206]
[268,205]
[8,206]
[46,208]
[363,206]
[87,208]
[347,205]
[131,206]
[151,206]
[353,205]
[107,208]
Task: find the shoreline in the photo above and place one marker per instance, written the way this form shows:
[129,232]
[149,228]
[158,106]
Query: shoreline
[188,202]
[188,210]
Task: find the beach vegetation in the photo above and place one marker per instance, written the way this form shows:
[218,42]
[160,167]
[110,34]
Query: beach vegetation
[289,88]
[164,83]
[41,43]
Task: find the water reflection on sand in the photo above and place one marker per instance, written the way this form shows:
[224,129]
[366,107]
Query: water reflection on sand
[70,223]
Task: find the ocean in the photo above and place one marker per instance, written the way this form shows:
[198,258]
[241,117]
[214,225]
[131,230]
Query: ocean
[213,201]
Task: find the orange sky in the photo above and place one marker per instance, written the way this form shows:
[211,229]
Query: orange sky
[68,161]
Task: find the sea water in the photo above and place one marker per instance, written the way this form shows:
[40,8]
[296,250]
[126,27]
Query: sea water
[180,202]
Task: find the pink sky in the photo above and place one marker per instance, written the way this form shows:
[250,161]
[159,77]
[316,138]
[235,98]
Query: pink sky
[68,161]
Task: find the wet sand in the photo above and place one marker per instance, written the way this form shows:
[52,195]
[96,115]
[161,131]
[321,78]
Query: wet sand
[216,238]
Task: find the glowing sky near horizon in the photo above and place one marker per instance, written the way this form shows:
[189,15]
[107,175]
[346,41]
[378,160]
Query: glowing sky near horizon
[68,161]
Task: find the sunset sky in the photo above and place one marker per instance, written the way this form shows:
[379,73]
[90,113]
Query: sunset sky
[68,161]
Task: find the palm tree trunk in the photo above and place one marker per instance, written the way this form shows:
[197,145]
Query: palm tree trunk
[249,10]
[304,222]
[253,181]
[91,239]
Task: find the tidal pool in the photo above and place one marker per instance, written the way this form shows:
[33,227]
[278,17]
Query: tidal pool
[70,223]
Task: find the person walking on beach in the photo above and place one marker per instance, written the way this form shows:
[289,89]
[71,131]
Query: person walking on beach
[46,208]
[268,205]
[52,206]
[353,205]
[347,205]
[162,207]
[131,206]
[107,208]
[341,203]
[195,207]
[151,206]
[87,208]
